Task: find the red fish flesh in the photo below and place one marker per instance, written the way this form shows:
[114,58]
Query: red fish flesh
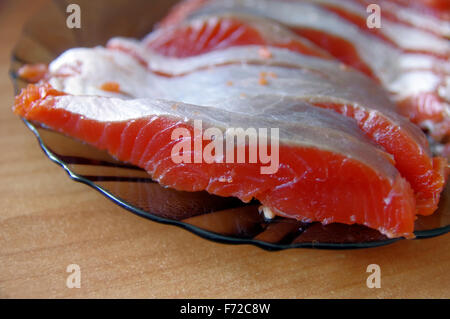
[409,55]
[346,152]
[325,173]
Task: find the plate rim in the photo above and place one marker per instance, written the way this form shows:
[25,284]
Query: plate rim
[206,234]
[212,236]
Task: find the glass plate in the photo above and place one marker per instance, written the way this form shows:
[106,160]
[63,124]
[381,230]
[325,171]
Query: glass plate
[220,219]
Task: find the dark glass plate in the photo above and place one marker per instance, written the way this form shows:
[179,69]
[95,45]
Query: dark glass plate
[220,219]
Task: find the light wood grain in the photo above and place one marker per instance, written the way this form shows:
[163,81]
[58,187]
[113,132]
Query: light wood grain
[48,221]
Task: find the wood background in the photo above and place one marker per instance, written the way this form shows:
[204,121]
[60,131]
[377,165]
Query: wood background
[48,221]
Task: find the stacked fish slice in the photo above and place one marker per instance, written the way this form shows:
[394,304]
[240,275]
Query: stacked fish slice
[339,93]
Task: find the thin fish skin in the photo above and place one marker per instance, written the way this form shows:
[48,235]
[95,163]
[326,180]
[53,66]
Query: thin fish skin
[304,76]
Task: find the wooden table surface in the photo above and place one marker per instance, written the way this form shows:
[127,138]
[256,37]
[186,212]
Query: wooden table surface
[48,221]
